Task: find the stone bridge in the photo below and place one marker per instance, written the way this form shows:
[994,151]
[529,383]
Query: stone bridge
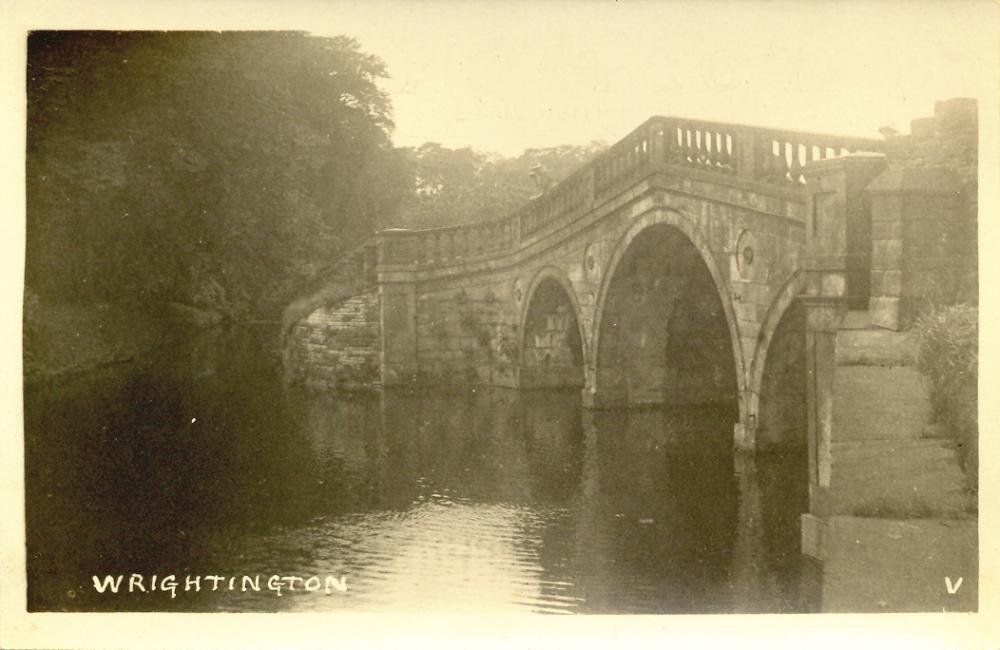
[663,272]
[772,273]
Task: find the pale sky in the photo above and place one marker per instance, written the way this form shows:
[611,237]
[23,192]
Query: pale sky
[505,76]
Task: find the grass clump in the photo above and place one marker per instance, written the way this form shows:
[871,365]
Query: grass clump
[948,354]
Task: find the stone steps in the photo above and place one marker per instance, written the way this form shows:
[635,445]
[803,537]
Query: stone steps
[875,347]
[899,478]
[879,402]
[882,565]
[884,465]
[337,346]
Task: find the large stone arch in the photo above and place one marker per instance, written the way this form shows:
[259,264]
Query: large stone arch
[550,276]
[689,229]
[776,313]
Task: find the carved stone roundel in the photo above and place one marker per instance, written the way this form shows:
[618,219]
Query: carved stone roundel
[746,252]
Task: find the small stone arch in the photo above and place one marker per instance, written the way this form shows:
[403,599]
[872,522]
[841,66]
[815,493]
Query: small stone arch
[558,276]
[779,306]
[686,226]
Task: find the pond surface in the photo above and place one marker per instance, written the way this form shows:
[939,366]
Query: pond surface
[201,463]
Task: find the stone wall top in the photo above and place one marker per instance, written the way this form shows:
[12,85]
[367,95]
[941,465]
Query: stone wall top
[948,139]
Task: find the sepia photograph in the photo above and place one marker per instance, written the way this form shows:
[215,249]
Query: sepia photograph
[499,311]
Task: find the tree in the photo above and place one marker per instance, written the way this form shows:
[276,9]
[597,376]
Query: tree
[455,186]
[161,166]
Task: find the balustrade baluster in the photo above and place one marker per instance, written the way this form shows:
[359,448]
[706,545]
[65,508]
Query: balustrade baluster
[729,145]
[795,166]
[788,156]
[767,158]
[669,140]
[780,171]
[674,145]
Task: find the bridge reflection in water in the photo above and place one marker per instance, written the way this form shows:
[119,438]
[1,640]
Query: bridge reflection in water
[485,500]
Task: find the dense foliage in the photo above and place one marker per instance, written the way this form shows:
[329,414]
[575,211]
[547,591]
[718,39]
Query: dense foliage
[211,169]
[948,355]
[223,170]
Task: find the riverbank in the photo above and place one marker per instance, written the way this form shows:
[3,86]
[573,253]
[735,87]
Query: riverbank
[63,339]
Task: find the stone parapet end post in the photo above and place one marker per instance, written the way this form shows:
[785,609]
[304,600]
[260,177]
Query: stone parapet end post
[838,223]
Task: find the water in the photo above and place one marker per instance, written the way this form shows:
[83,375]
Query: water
[201,463]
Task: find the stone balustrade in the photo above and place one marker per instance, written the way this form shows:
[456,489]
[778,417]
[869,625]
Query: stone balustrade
[770,157]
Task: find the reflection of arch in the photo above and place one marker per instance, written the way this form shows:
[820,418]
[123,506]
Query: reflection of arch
[555,275]
[666,217]
[776,311]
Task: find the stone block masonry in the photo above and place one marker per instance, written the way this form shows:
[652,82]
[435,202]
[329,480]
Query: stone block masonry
[924,211]
[337,347]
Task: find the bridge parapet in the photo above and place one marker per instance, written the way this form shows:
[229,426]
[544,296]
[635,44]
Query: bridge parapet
[765,155]
[770,159]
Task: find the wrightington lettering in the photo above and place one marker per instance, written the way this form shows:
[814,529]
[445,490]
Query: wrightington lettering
[172,584]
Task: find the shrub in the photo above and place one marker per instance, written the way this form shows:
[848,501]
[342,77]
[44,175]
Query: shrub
[948,354]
